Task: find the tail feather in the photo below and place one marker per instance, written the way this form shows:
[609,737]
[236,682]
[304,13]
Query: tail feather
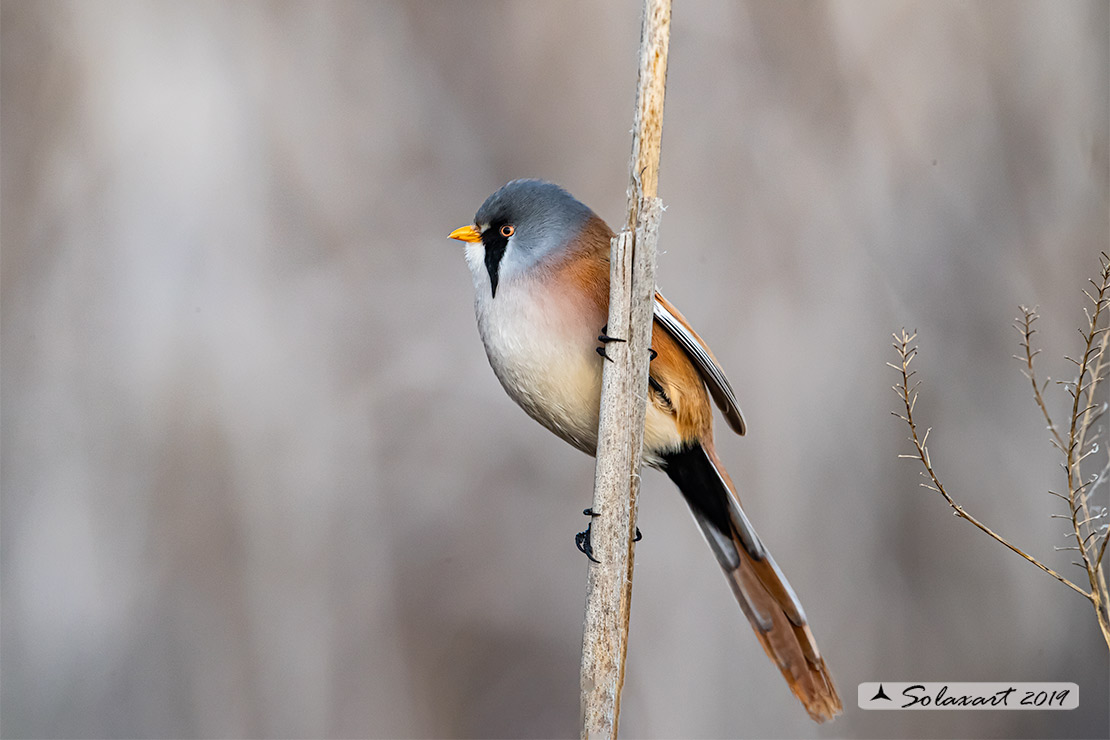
[764,594]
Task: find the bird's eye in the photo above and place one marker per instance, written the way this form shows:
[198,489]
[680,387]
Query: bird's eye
[507,230]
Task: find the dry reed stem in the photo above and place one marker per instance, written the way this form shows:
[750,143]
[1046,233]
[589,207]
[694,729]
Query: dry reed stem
[623,396]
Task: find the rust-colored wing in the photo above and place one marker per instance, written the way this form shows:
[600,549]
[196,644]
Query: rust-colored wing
[710,370]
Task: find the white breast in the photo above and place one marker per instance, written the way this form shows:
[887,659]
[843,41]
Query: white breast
[541,341]
[541,346]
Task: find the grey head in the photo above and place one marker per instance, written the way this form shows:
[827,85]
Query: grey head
[525,222]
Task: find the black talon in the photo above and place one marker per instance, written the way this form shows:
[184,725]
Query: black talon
[582,539]
[661,392]
[604,338]
[582,542]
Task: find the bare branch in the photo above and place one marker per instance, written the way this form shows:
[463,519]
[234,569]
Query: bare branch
[1080,422]
[1025,327]
[906,354]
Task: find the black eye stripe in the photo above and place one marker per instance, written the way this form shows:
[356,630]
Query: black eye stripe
[495,244]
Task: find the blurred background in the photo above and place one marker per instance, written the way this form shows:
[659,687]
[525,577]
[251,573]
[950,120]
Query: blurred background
[259,480]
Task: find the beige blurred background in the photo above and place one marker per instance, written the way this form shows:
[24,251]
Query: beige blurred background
[259,481]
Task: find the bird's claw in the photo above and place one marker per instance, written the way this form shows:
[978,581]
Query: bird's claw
[604,338]
[582,539]
[582,542]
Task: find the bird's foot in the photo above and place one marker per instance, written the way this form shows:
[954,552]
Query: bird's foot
[604,338]
[582,539]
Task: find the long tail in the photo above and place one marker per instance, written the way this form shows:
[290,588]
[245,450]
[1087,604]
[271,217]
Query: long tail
[764,594]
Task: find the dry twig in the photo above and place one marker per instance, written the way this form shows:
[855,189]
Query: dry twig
[1089,538]
[908,394]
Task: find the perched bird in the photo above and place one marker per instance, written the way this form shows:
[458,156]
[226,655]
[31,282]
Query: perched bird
[540,263]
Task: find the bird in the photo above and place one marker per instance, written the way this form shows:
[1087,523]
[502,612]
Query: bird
[539,259]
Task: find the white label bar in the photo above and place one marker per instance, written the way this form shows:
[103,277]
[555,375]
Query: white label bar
[956,695]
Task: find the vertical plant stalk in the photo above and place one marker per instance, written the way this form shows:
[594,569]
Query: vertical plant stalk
[1084,411]
[624,395]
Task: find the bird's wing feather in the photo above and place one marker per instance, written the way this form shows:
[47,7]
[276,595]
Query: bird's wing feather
[710,370]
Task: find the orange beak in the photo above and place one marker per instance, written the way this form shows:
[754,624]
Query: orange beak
[466,234]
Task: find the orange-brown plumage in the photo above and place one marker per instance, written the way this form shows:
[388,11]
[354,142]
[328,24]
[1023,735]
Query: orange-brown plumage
[584,268]
[791,646]
[683,397]
[677,386]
